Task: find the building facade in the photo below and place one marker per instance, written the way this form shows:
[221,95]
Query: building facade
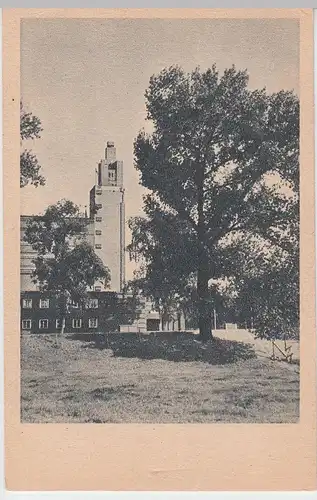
[26,256]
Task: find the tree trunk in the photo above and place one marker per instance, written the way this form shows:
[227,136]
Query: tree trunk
[204,311]
[59,335]
[179,321]
[63,326]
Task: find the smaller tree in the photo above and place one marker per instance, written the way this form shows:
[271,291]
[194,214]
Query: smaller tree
[30,128]
[66,265]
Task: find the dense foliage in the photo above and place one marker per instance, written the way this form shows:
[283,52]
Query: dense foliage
[30,128]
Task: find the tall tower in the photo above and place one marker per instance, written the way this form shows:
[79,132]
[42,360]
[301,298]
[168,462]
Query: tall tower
[107,215]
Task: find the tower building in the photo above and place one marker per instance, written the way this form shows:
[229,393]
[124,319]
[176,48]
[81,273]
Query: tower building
[108,217]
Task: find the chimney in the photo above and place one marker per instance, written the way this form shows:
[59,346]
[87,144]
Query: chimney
[110,152]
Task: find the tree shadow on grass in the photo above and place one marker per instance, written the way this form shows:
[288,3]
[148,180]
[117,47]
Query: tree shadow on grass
[170,346]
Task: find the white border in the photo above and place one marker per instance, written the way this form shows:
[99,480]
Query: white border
[23,495]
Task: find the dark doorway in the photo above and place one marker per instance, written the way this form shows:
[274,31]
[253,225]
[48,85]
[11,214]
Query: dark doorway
[152,325]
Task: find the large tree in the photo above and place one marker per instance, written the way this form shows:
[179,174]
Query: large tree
[218,166]
[30,128]
[66,265]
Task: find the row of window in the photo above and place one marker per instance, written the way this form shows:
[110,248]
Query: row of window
[44,323]
[45,304]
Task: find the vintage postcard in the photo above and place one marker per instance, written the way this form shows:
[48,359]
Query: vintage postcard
[159,256]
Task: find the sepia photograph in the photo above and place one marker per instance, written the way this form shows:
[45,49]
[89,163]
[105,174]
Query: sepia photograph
[159,221]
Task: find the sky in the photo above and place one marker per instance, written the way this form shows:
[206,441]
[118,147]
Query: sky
[85,80]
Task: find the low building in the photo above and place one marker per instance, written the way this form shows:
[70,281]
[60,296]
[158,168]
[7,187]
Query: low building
[151,320]
[102,312]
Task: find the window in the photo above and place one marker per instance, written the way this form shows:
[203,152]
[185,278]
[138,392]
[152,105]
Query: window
[98,246]
[98,219]
[76,323]
[98,206]
[27,303]
[93,322]
[43,324]
[44,303]
[98,191]
[98,232]
[26,324]
[59,323]
[92,304]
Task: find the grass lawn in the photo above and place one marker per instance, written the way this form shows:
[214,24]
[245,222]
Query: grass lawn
[155,381]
